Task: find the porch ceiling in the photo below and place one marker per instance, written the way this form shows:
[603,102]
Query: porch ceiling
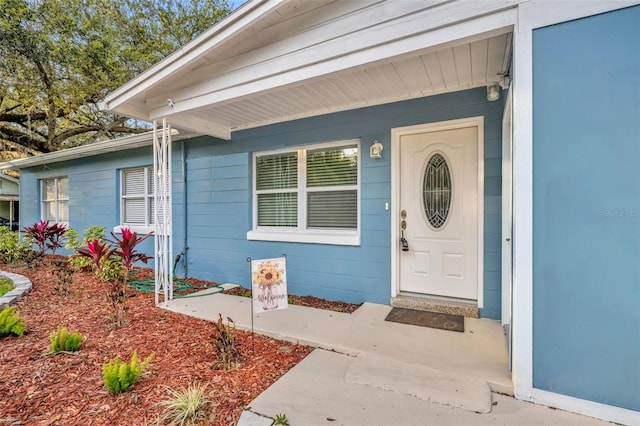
[466,65]
[463,66]
[279,60]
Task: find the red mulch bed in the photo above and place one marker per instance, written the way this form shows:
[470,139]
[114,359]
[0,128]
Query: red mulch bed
[37,388]
[309,301]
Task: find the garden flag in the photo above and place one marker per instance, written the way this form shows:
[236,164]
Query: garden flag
[269,284]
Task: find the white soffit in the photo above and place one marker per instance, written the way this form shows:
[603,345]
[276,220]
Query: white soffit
[302,58]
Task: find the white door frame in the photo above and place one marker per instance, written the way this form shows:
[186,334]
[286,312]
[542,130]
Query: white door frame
[507,209]
[398,132]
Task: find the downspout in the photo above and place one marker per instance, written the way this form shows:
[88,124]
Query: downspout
[185,247]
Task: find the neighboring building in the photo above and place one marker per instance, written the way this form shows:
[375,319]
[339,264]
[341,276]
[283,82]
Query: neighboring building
[478,152]
[9,201]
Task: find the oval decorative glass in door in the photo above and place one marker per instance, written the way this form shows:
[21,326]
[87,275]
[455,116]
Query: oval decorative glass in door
[436,190]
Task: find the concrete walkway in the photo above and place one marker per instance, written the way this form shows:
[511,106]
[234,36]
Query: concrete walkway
[376,372]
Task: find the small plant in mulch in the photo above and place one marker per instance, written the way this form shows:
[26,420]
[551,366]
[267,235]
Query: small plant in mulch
[224,340]
[63,272]
[119,376]
[63,341]
[11,322]
[46,235]
[187,407]
[113,261]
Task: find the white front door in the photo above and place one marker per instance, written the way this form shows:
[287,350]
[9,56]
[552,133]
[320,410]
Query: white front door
[439,213]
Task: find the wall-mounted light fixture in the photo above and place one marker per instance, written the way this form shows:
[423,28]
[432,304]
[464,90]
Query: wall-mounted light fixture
[493,92]
[375,151]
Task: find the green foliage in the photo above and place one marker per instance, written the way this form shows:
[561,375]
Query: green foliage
[186,407]
[11,322]
[62,340]
[95,232]
[224,340]
[6,285]
[114,273]
[281,420]
[11,248]
[119,376]
[58,59]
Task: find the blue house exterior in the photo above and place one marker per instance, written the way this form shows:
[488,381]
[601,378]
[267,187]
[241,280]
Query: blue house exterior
[544,213]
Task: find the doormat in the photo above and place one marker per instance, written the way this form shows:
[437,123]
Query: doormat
[427,319]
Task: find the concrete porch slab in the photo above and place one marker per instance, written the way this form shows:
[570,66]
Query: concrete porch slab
[428,384]
[480,352]
[315,392]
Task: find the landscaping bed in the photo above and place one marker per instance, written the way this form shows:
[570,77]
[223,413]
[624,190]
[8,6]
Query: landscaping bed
[309,301]
[39,388]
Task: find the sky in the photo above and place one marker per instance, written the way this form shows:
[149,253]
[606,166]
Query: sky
[236,3]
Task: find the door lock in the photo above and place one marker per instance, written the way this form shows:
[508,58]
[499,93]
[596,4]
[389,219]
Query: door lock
[404,244]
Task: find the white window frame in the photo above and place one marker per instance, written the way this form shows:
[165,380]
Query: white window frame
[56,200]
[148,196]
[301,234]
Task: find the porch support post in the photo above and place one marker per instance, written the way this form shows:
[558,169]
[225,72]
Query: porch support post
[162,211]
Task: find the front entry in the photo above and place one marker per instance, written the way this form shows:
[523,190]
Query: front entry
[439,213]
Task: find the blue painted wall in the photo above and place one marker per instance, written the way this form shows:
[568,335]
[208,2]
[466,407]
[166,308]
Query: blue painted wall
[218,199]
[94,190]
[586,217]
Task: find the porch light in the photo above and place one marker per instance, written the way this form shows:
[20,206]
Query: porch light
[375,151]
[493,92]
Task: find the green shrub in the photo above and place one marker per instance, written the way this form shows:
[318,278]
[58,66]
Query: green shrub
[185,408]
[6,285]
[10,322]
[73,242]
[62,340]
[11,248]
[119,376]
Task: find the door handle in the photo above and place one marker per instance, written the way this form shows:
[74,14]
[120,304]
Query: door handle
[404,244]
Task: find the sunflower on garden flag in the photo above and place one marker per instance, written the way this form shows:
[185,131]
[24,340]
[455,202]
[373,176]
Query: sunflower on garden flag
[269,284]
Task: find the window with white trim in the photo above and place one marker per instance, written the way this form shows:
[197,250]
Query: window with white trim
[136,198]
[310,194]
[55,199]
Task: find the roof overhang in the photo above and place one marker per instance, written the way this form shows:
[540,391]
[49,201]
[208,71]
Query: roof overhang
[97,148]
[9,178]
[279,60]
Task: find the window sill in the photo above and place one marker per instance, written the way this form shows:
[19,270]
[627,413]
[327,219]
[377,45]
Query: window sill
[344,238]
[135,228]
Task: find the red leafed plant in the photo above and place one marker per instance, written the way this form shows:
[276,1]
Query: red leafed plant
[113,261]
[125,247]
[46,235]
[98,252]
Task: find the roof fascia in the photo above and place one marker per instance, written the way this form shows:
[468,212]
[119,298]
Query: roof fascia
[90,150]
[9,178]
[221,32]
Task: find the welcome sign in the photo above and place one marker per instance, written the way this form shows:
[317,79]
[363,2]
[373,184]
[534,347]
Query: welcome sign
[269,284]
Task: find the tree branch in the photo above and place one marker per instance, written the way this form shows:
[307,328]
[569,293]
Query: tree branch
[22,139]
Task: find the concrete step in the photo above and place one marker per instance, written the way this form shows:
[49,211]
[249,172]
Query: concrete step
[467,310]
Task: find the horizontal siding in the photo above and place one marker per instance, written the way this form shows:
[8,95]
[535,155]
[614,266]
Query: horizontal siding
[219,194]
[218,199]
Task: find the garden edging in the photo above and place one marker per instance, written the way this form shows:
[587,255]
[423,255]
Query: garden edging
[23,286]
